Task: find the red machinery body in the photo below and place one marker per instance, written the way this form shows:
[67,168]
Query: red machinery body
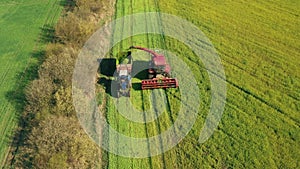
[159,83]
[158,73]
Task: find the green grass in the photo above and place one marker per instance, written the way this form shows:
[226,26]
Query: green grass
[144,100]
[258,47]
[20,48]
[258,43]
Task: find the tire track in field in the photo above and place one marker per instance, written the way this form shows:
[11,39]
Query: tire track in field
[115,118]
[106,109]
[11,12]
[117,123]
[131,44]
[243,138]
[131,24]
[276,108]
[229,20]
[124,48]
[169,109]
[123,25]
[274,54]
[252,94]
[49,20]
[111,54]
[9,67]
[165,93]
[146,130]
[108,118]
[153,101]
[4,127]
[163,44]
[121,48]
[7,108]
[159,130]
[265,80]
[143,96]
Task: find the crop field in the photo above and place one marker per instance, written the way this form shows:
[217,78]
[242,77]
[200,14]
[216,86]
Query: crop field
[22,33]
[257,42]
[259,45]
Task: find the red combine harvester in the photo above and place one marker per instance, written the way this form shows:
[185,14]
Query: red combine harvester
[158,73]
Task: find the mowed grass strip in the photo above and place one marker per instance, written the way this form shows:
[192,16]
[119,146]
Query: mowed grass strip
[146,102]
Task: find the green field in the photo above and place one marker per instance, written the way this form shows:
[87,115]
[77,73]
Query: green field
[259,45]
[22,33]
[257,41]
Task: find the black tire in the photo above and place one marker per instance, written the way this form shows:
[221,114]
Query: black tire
[167,75]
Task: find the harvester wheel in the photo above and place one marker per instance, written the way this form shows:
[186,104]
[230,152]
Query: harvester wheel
[167,75]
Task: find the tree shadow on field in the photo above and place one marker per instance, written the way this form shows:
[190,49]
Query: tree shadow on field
[40,57]
[17,98]
[47,34]
[69,5]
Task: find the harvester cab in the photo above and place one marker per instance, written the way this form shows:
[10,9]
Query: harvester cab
[159,67]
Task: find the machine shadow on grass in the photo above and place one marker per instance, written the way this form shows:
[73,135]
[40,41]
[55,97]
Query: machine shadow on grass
[109,85]
[136,86]
[140,69]
[107,68]
[140,72]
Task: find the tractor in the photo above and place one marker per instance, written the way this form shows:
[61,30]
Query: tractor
[123,78]
[158,72]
